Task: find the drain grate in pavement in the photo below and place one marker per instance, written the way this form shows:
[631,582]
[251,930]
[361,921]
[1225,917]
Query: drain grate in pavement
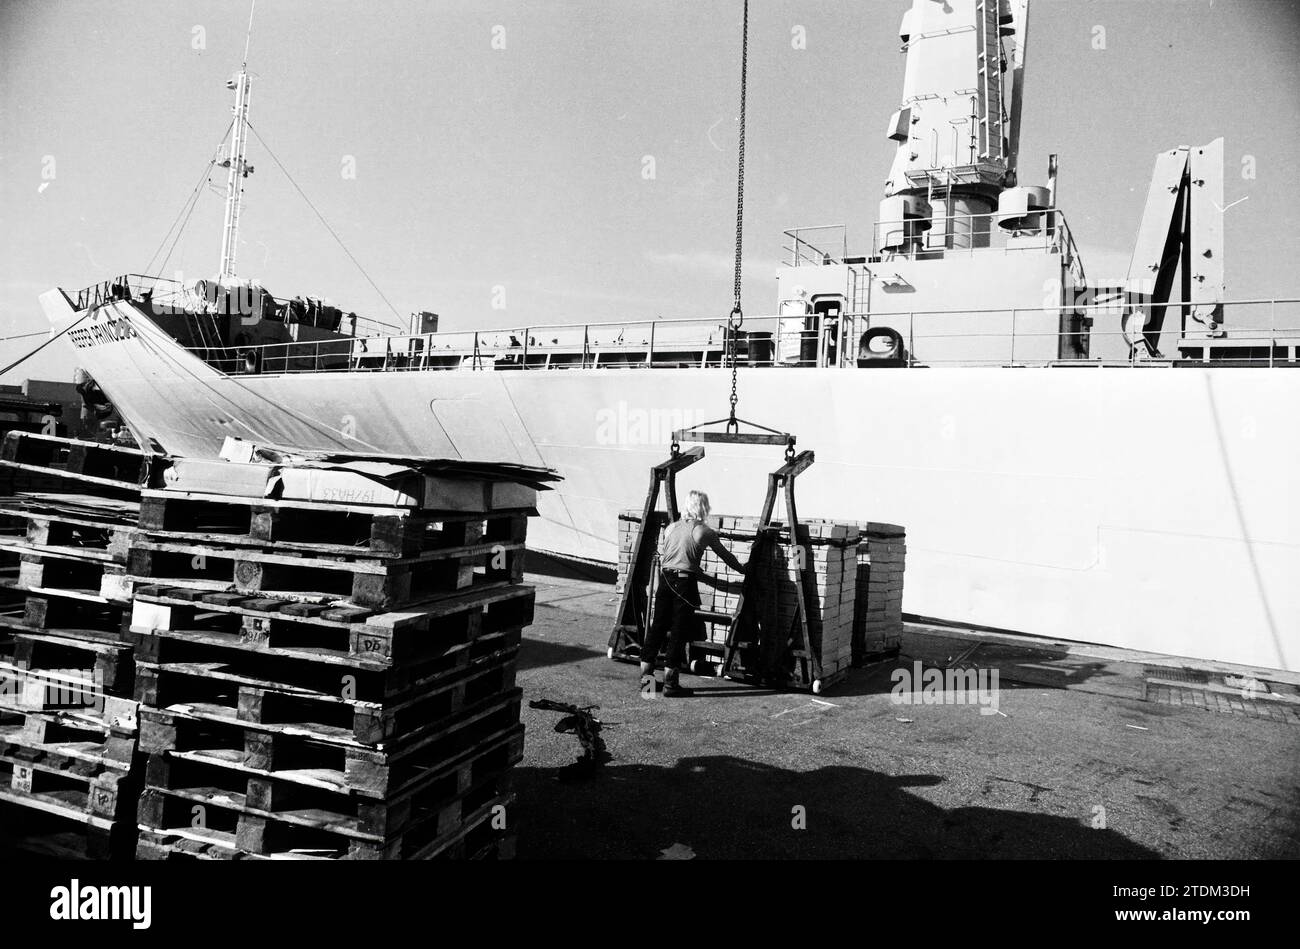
[1170,674]
[1216,701]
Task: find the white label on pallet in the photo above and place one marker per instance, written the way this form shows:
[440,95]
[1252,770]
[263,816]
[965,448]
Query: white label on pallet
[147,616]
[256,632]
[119,711]
[103,800]
[34,693]
[22,779]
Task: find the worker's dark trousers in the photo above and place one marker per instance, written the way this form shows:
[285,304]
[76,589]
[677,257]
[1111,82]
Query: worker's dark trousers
[676,600]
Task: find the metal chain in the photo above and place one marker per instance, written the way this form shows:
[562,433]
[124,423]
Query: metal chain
[740,169]
[737,317]
[733,426]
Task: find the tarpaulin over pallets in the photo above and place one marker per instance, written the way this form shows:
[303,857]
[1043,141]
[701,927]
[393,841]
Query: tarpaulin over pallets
[276,473]
[385,467]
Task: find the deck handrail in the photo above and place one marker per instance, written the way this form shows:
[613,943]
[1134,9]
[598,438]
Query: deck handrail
[108,291]
[644,343]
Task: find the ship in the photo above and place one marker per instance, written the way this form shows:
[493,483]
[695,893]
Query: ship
[1102,464]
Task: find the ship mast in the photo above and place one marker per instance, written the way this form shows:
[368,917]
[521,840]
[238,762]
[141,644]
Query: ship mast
[235,161]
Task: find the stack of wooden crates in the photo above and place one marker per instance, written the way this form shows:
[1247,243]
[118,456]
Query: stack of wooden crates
[845,605]
[261,679]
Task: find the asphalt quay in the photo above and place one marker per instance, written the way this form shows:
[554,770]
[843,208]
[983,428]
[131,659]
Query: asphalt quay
[1070,751]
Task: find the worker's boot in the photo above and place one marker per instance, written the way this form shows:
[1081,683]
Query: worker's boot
[673,688]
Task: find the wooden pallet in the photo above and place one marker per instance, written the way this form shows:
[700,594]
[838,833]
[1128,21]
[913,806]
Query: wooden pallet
[477,839]
[375,584]
[182,843]
[53,838]
[315,703]
[73,695]
[323,633]
[13,527]
[480,843]
[74,524]
[365,681]
[59,573]
[78,617]
[120,470]
[244,814]
[48,537]
[340,530]
[105,731]
[331,763]
[27,833]
[81,664]
[78,775]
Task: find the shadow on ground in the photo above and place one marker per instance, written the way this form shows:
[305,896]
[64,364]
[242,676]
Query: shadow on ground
[536,653]
[724,807]
[1040,666]
[553,565]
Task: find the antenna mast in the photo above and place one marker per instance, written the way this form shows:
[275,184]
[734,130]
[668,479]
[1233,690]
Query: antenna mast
[239,167]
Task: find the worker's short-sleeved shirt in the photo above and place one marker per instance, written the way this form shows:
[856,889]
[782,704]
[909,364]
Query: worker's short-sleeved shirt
[684,545]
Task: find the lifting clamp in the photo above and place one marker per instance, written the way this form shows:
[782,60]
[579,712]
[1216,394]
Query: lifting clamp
[763,644]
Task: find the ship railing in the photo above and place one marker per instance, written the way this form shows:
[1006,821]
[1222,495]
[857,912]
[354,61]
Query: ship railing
[165,294]
[816,245]
[621,344]
[130,287]
[940,235]
[947,234]
[1264,332]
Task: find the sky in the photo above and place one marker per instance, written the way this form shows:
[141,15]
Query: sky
[509,186]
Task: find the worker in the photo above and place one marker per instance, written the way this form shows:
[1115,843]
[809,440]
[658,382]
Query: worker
[678,595]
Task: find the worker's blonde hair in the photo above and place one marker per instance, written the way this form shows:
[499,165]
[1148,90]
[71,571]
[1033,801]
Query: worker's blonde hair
[697,506]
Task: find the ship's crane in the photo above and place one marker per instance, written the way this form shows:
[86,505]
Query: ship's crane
[1181,234]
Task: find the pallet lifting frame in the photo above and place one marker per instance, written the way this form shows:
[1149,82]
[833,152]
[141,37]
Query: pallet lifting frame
[756,649]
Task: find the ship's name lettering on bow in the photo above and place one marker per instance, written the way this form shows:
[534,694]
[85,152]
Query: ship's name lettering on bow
[112,331]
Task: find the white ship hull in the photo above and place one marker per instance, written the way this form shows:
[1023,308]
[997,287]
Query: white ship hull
[1144,508]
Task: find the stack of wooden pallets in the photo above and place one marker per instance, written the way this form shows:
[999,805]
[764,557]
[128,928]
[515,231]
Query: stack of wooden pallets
[878,623]
[327,680]
[231,676]
[68,719]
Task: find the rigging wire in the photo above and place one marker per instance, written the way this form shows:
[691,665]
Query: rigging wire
[6,339]
[194,203]
[325,223]
[207,172]
[22,359]
[190,202]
